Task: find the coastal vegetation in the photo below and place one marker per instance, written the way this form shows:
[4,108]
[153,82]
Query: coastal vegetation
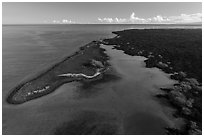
[179,53]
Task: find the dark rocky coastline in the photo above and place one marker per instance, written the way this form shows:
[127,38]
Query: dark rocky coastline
[179,53]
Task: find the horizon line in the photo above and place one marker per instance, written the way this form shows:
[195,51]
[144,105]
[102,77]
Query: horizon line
[192,23]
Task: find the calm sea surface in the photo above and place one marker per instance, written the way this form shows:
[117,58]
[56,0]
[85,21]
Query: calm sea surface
[27,49]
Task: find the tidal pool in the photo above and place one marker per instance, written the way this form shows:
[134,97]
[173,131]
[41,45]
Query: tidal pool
[124,106]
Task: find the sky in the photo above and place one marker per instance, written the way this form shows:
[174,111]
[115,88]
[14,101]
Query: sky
[101,12]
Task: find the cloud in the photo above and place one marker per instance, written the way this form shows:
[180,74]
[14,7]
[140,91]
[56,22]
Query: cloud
[56,21]
[112,20]
[197,17]
[63,21]
[133,19]
[67,21]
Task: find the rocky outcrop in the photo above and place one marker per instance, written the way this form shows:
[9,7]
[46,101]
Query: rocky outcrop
[162,65]
[193,129]
[177,98]
[179,76]
[183,97]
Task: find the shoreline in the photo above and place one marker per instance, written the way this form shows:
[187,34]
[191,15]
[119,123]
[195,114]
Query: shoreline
[157,46]
[101,57]
[146,43]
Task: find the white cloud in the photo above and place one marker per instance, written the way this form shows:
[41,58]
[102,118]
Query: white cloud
[135,19]
[56,21]
[197,17]
[112,20]
[183,18]
[108,20]
[63,21]
[120,20]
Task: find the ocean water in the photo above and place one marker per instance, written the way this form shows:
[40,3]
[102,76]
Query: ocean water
[27,49]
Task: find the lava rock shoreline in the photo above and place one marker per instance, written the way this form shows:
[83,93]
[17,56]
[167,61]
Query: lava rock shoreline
[177,52]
